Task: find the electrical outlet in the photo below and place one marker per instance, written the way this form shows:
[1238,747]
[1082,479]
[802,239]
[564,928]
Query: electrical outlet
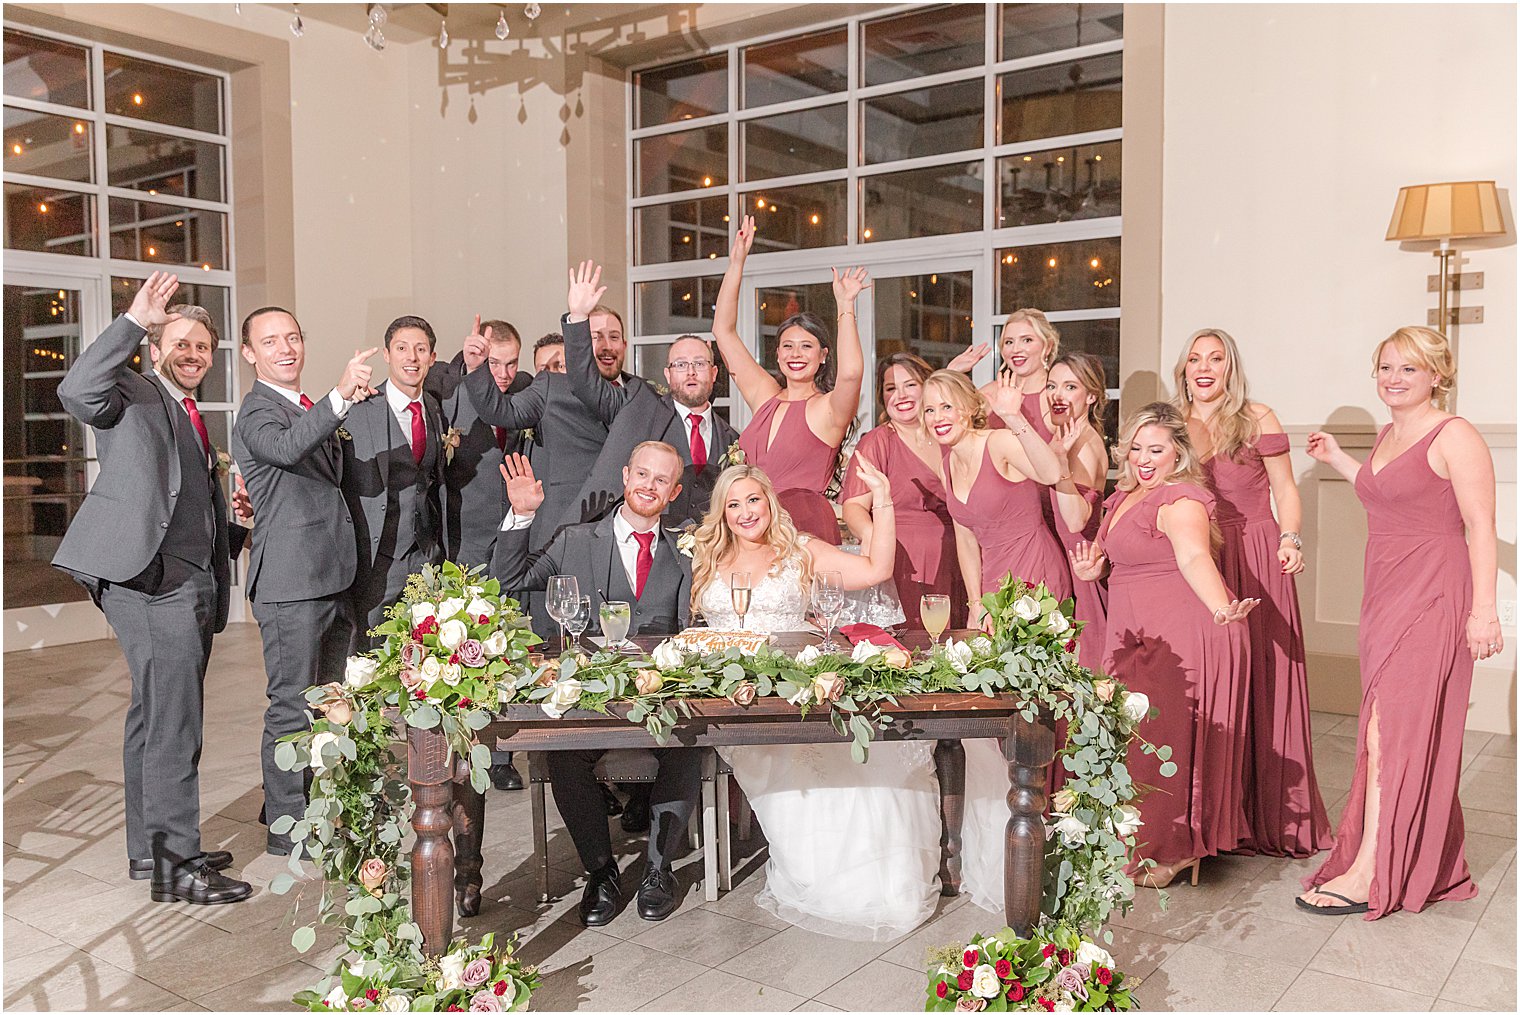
[1506,613]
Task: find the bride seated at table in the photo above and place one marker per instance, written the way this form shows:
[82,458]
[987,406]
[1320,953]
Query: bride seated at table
[854,849]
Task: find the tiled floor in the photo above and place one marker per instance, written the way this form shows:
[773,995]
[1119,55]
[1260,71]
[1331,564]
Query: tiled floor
[79,935]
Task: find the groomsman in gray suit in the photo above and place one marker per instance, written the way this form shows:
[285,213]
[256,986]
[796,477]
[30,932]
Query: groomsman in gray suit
[151,542]
[393,477]
[627,556]
[302,563]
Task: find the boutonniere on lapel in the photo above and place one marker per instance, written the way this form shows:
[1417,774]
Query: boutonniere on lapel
[344,435]
[686,542]
[223,463]
[450,443]
[733,456]
[528,437]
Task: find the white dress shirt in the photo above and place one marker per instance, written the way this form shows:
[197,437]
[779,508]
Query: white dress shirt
[622,532]
[340,405]
[398,400]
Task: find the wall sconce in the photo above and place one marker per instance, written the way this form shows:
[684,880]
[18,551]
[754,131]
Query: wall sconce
[1445,212]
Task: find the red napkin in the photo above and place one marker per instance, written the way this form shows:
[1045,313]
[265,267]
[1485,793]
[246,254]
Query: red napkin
[858,633]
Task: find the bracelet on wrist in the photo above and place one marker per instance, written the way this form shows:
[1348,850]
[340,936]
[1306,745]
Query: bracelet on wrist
[1298,543]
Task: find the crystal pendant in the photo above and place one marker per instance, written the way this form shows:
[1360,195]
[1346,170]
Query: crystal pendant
[377,15]
[237,9]
[502,28]
[443,35]
[532,11]
[375,38]
[297,26]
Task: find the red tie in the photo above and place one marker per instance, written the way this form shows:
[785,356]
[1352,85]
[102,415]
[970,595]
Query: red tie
[305,402]
[501,438]
[644,562]
[698,445]
[419,432]
[199,424]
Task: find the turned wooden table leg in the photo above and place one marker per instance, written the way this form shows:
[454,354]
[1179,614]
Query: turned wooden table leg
[432,776]
[1029,749]
[469,824]
[950,769]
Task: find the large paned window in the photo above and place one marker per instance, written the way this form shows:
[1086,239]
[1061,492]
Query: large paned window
[969,155]
[115,165]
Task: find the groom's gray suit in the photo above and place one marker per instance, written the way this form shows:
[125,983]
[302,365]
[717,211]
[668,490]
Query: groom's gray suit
[151,542]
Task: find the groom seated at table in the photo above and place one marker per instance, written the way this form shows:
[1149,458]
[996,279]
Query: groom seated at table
[626,556]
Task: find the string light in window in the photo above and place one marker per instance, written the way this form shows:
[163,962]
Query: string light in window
[868,234]
[152,251]
[1050,263]
[42,207]
[137,99]
[1094,263]
[16,149]
[814,219]
[707,181]
[79,128]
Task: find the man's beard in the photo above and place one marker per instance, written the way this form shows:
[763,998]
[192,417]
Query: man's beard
[692,401]
[633,506]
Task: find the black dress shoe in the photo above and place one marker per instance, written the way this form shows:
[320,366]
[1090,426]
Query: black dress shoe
[635,819]
[142,870]
[657,894]
[195,883]
[505,776]
[603,897]
[610,801]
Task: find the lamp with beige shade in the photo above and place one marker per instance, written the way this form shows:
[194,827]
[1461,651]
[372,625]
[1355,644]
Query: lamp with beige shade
[1444,212]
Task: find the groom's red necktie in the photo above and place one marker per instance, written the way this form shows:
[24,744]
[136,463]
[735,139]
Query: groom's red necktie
[644,562]
[419,432]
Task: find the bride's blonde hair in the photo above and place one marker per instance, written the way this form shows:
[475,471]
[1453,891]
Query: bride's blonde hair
[715,540]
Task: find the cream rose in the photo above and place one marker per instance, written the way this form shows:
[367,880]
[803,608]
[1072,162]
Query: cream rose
[865,651]
[828,686]
[495,644]
[897,657]
[449,608]
[1063,801]
[667,655]
[336,999]
[984,982]
[981,644]
[563,695]
[396,1002]
[422,611]
[451,674]
[480,608]
[319,764]
[451,972]
[803,696]
[648,681]
[452,634]
[1072,830]
[431,669]
[1027,608]
[1089,952]
[1127,821]
[359,671]
[1136,706]
[1057,622]
[808,654]
[1103,689]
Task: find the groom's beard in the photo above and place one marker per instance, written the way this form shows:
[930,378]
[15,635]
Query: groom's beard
[634,507]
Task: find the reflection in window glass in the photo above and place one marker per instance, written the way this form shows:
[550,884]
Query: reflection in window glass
[165,234]
[649,363]
[924,121]
[1059,185]
[683,91]
[801,67]
[923,42]
[1079,275]
[928,314]
[921,202]
[162,164]
[163,94]
[798,218]
[41,144]
[778,303]
[1062,98]
[683,231]
[54,221]
[807,141]
[46,71]
[1030,29]
[676,306]
[685,160]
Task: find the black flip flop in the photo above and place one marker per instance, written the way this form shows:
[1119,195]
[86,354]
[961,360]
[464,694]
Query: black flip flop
[1347,910]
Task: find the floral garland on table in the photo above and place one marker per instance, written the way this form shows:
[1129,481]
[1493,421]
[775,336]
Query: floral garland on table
[1053,969]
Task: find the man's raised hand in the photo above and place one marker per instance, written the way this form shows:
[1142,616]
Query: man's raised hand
[586,290]
[477,347]
[354,385]
[150,305]
[524,492]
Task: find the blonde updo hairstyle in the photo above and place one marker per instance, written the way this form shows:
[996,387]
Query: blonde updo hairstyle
[715,541]
[1047,331]
[961,393]
[1430,350]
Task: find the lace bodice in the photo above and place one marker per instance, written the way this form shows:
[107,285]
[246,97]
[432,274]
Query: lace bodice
[776,603]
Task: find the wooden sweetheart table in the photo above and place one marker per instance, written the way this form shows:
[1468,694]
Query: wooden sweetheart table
[449,815]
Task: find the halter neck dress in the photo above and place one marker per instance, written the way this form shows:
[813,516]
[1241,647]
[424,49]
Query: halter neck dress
[800,465]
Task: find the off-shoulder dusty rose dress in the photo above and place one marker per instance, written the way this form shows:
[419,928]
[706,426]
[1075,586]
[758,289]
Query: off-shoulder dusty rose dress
[926,559]
[1283,802]
[800,465]
[1161,640]
[1416,674]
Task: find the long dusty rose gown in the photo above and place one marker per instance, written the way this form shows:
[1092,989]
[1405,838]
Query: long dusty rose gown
[926,559]
[800,465]
[1092,597]
[1283,802]
[1161,640]
[1416,674]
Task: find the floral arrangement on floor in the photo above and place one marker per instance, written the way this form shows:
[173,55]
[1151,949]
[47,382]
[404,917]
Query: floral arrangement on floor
[467,978]
[1053,969]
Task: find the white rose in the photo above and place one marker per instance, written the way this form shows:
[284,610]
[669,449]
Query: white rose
[865,651]
[1058,622]
[1072,830]
[563,695]
[336,999]
[1027,608]
[474,590]
[667,655]
[803,695]
[959,654]
[432,669]
[319,741]
[1136,706]
[1127,822]
[495,644]
[984,982]
[449,608]
[981,645]
[451,674]
[422,611]
[480,608]
[1089,952]
[359,671]
[808,654]
[452,634]
[396,1002]
[1063,1006]
[451,971]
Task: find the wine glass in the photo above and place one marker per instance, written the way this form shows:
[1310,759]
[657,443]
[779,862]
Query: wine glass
[615,617]
[934,611]
[576,621]
[828,601]
[564,592]
[738,592]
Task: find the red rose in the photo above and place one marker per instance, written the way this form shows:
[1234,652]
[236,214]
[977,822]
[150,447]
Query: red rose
[1002,967]
[969,957]
[372,995]
[421,694]
[941,989]
[1047,1003]
[454,658]
[455,1007]
[1105,975]
[1071,646]
[1047,951]
[963,981]
[501,985]
[1063,957]
[464,702]
[1016,992]
[484,618]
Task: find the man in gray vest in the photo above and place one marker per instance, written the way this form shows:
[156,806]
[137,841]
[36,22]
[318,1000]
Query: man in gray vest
[302,562]
[393,477]
[151,542]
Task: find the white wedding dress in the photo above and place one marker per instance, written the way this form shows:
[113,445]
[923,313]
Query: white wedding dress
[854,849]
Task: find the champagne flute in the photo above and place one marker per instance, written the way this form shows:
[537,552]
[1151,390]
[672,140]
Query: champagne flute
[577,620]
[828,601]
[615,617]
[738,591]
[563,594]
[934,611]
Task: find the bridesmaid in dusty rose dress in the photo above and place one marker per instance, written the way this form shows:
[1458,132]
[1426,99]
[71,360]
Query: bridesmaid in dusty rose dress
[798,426]
[1078,398]
[1428,613]
[1245,460]
[1175,634]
